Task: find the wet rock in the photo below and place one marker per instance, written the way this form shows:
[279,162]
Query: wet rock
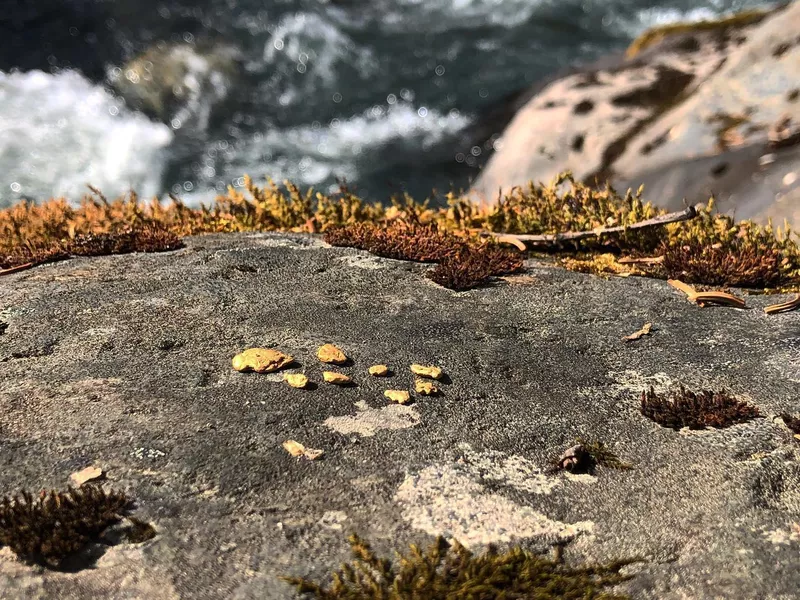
[688,116]
[179,84]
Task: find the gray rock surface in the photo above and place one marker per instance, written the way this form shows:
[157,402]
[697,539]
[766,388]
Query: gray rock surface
[688,118]
[125,362]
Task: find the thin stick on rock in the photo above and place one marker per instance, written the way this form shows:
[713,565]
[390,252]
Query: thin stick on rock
[571,236]
[16,269]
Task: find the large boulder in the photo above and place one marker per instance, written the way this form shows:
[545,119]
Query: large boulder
[689,116]
[179,83]
[124,362]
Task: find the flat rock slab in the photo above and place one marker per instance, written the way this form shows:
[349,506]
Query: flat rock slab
[124,362]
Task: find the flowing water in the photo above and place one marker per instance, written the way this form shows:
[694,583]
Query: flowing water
[374,92]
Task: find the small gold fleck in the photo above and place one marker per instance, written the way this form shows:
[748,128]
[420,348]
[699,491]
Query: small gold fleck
[296,380]
[297,450]
[337,378]
[261,360]
[423,371]
[426,388]
[88,474]
[328,353]
[379,370]
[294,448]
[399,396]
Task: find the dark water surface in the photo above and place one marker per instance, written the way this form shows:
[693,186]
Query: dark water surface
[375,92]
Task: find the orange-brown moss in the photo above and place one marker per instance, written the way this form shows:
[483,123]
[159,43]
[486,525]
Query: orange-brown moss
[699,410]
[721,251]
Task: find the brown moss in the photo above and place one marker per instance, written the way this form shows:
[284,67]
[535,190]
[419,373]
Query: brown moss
[399,240]
[473,267]
[739,266]
[139,531]
[451,571]
[50,528]
[714,250]
[793,423]
[464,263]
[142,238]
[696,410]
[55,230]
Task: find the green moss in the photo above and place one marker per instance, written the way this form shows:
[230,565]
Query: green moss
[602,456]
[656,34]
[443,572]
[721,251]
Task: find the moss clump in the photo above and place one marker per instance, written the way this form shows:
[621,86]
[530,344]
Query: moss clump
[399,240]
[141,238]
[540,209]
[602,456]
[732,253]
[52,527]
[713,249]
[696,410]
[584,458]
[656,34]
[452,572]
[473,267]
[464,263]
[139,531]
[793,423]
[741,263]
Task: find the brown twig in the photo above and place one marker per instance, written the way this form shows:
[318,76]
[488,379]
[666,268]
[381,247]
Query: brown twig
[572,236]
[18,268]
[649,260]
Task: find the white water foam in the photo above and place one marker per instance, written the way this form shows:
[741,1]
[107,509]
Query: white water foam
[438,15]
[311,154]
[61,132]
[310,51]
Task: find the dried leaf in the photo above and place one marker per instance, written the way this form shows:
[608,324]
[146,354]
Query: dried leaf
[78,478]
[261,360]
[379,370]
[645,330]
[296,380]
[329,353]
[702,298]
[399,396]
[336,378]
[783,306]
[423,371]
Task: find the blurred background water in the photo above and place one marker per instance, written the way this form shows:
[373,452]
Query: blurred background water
[188,95]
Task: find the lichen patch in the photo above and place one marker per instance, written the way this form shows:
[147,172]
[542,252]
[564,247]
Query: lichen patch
[367,421]
[446,500]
